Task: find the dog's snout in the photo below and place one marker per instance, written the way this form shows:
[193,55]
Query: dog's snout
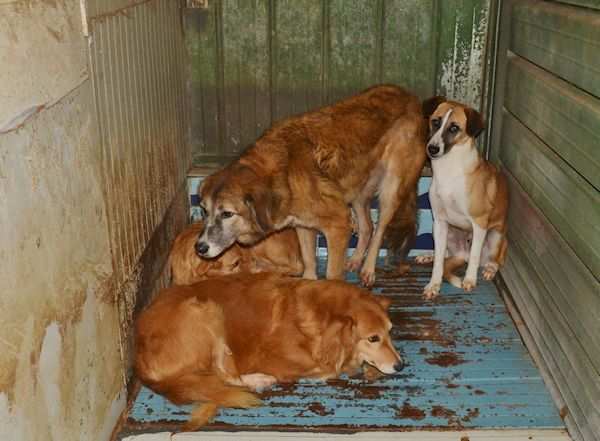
[201,248]
[433,149]
[399,366]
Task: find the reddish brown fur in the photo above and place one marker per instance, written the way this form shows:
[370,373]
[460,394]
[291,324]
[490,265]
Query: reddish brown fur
[209,341]
[305,171]
[278,252]
[401,233]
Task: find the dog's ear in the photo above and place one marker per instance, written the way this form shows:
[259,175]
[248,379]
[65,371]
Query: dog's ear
[337,341]
[385,302]
[430,104]
[262,205]
[475,123]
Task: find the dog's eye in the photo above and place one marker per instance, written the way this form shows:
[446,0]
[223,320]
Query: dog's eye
[226,214]
[453,128]
[373,339]
[435,123]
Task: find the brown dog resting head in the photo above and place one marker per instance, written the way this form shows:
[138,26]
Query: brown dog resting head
[236,208]
[278,252]
[202,342]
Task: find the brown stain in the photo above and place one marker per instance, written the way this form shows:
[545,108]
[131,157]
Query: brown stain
[564,411]
[472,413]
[465,438]
[419,326]
[479,392]
[452,386]
[442,412]
[445,359]
[361,389]
[410,412]
[319,409]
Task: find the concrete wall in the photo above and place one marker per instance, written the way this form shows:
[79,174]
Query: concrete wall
[63,336]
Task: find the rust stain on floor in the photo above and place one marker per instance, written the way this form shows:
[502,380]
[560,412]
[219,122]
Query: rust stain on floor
[445,359]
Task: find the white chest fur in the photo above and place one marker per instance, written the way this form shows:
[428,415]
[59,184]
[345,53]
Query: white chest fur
[448,193]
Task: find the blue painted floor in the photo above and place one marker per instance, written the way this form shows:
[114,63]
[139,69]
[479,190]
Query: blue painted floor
[467,368]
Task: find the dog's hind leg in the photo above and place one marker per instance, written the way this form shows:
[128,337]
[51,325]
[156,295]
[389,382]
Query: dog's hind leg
[365,230]
[470,280]
[493,253]
[308,242]
[388,204]
[337,235]
[450,265]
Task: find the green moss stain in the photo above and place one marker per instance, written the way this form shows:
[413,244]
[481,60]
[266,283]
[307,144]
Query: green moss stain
[258,61]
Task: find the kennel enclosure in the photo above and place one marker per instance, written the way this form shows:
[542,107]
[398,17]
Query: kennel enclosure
[111,108]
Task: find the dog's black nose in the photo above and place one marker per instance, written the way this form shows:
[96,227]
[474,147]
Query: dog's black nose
[399,366]
[201,248]
[433,149]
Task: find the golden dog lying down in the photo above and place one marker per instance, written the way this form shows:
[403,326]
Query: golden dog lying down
[216,340]
[278,252]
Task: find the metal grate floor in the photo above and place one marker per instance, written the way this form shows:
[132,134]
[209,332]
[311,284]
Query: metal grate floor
[467,368]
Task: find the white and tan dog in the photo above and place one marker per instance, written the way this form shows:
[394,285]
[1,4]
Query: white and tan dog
[468,195]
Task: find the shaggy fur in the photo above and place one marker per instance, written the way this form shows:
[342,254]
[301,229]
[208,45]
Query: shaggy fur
[214,341]
[278,252]
[307,169]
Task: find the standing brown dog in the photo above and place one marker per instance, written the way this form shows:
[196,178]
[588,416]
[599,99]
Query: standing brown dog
[306,170]
[214,340]
[278,252]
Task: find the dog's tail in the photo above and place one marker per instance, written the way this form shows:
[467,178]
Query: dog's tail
[211,391]
[450,265]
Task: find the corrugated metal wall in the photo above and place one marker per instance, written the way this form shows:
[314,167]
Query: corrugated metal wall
[258,61]
[138,67]
[547,136]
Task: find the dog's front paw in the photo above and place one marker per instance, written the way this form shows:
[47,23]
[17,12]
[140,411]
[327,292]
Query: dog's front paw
[469,284]
[424,259]
[353,264]
[258,382]
[371,373]
[490,270]
[368,277]
[309,274]
[431,290]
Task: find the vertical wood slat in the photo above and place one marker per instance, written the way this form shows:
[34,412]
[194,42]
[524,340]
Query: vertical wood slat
[353,63]
[285,57]
[138,77]
[412,63]
[245,70]
[462,34]
[296,72]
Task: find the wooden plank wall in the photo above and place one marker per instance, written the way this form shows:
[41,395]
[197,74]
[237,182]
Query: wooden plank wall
[546,135]
[258,61]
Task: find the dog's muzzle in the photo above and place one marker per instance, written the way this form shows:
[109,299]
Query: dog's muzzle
[433,150]
[201,248]
[399,365]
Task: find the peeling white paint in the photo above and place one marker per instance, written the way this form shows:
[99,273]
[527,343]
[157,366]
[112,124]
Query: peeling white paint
[461,76]
[49,373]
[113,414]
